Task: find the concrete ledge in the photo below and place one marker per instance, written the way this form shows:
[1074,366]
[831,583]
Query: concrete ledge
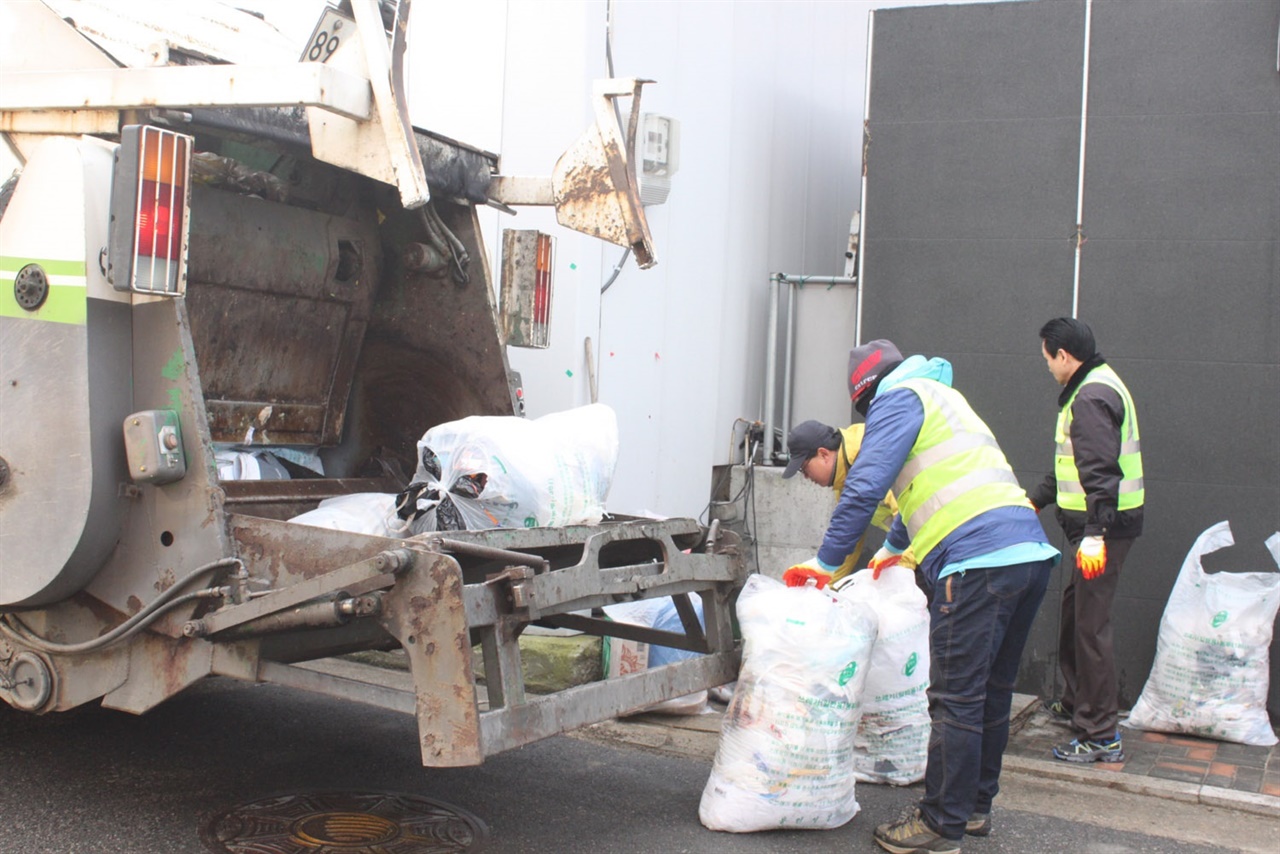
[1191,793]
[1254,802]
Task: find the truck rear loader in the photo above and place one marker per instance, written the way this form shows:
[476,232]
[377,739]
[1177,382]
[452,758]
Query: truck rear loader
[199,253]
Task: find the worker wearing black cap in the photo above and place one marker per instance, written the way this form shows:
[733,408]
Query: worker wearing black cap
[823,455]
[984,562]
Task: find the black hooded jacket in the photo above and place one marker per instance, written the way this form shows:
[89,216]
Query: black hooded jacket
[1096,418]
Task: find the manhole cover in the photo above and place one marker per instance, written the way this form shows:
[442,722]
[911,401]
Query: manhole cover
[345,823]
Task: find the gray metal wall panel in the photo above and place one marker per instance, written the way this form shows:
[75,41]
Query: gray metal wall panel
[1180,272]
[1162,57]
[1181,300]
[1211,424]
[1035,74]
[1180,178]
[963,180]
[965,296]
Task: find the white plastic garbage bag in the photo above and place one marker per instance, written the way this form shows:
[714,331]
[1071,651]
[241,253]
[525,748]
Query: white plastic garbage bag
[892,740]
[508,472]
[624,656]
[237,462]
[785,753]
[359,513]
[1211,673]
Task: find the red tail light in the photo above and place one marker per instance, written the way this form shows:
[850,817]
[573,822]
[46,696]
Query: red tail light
[150,200]
[542,293]
[159,227]
[528,259]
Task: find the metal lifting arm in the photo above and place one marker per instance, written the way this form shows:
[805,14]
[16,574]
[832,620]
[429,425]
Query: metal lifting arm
[594,185]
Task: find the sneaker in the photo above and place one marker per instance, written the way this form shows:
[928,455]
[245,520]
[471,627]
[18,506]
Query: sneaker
[1059,712]
[910,835]
[1085,750]
[979,824]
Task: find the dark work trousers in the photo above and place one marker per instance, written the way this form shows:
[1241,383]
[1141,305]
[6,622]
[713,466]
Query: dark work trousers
[1086,652]
[978,624]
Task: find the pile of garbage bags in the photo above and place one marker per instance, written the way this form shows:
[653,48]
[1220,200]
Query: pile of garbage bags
[490,472]
[832,691]
[506,472]
[1212,670]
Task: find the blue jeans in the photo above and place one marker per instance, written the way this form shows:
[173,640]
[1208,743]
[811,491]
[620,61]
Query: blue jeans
[978,625]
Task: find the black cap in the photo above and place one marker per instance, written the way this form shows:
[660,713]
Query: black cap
[803,442]
[867,363]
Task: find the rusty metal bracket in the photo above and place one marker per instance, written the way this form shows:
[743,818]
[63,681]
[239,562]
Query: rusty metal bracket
[515,591]
[594,183]
[425,612]
[387,563]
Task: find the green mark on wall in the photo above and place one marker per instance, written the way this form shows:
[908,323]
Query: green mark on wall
[172,369]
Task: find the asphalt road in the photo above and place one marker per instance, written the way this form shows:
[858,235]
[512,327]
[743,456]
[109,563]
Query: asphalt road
[97,781]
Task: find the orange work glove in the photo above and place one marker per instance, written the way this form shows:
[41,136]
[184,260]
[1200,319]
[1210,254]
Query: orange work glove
[881,559]
[799,575]
[1091,557]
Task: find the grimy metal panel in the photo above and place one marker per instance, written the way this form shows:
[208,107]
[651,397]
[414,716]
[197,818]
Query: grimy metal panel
[970,215]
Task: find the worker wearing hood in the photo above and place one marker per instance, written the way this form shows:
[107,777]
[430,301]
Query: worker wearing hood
[984,563]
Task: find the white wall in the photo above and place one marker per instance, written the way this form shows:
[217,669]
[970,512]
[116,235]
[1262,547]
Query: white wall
[769,95]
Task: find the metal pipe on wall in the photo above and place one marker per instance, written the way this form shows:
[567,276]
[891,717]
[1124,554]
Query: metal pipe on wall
[786,364]
[770,368]
[771,348]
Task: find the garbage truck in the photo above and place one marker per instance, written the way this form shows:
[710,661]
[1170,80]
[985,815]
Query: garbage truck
[217,239]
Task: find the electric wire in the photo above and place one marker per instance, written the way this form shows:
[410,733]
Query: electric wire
[12,626]
[608,59]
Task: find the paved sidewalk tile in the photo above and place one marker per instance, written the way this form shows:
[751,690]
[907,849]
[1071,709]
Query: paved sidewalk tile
[1164,756]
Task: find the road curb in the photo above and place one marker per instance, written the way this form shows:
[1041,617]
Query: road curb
[696,738]
[1213,796]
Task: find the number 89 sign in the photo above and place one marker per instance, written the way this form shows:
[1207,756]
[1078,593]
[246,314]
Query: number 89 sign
[332,28]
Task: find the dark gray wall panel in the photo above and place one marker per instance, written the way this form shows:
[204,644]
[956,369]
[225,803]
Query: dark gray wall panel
[1019,62]
[1183,56]
[965,180]
[1205,301]
[966,295]
[1134,623]
[1181,177]
[1207,423]
[969,211]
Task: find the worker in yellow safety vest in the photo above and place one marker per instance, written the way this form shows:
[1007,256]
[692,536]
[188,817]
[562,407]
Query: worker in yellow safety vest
[984,562]
[823,455]
[1098,487]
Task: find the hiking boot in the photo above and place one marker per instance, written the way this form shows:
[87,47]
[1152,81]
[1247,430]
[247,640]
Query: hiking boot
[1085,750]
[910,835]
[1059,712]
[979,824]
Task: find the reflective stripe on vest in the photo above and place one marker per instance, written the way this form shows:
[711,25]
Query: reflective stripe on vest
[955,470]
[1070,491]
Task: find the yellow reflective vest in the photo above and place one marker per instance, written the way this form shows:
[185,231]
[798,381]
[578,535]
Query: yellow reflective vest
[955,470]
[1070,492]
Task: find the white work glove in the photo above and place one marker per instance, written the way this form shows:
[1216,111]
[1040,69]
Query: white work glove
[799,575]
[884,557]
[1091,557]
